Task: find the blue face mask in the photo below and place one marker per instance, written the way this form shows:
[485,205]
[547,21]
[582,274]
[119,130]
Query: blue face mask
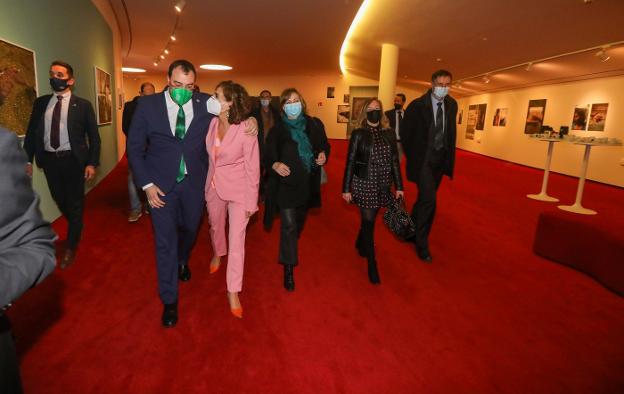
[441,91]
[293,110]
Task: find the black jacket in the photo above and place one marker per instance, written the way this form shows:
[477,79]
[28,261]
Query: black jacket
[300,188]
[391,115]
[261,131]
[417,136]
[359,157]
[128,114]
[84,137]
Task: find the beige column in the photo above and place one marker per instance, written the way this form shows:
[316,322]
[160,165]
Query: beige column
[388,74]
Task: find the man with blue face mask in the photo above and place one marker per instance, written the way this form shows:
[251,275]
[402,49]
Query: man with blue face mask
[428,138]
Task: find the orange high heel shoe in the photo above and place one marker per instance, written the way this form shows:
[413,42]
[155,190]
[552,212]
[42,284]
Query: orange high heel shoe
[237,312]
[214,267]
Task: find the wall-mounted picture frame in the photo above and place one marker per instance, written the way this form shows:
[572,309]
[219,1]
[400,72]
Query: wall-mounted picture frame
[597,117]
[481,110]
[330,92]
[579,118]
[500,117]
[471,121]
[345,99]
[535,116]
[104,97]
[18,86]
[343,113]
[460,116]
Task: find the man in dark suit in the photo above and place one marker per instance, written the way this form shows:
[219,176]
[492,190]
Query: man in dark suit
[136,209]
[26,248]
[428,138]
[167,153]
[63,138]
[395,117]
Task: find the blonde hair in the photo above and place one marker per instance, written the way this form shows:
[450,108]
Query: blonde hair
[361,119]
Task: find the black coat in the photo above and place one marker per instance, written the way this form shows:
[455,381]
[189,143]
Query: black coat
[359,157]
[417,136]
[261,131]
[128,114]
[84,137]
[300,188]
[391,115]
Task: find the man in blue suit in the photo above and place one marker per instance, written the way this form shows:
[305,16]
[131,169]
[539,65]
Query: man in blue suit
[167,153]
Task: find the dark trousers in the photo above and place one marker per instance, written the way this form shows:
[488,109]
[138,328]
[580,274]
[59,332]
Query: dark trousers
[292,221]
[424,209]
[175,230]
[10,382]
[366,236]
[66,182]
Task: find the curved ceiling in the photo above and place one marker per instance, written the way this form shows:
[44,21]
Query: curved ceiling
[304,37]
[290,37]
[471,38]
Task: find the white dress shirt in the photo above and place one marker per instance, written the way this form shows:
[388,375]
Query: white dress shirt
[397,120]
[63,132]
[172,114]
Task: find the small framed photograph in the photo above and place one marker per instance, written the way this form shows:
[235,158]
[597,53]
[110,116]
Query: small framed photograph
[343,114]
[330,92]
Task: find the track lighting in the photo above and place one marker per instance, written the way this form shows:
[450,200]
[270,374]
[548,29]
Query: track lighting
[602,55]
[162,57]
[166,51]
[529,66]
[486,79]
[173,37]
[180,6]
[155,63]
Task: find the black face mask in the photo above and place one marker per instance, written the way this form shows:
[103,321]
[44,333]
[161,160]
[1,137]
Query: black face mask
[398,107]
[373,116]
[58,85]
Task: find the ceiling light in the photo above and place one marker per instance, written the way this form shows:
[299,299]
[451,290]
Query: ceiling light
[180,5]
[215,67]
[345,44]
[173,37]
[155,63]
[162,57]
[439,59]
[166,51]
[529,66]
[602,55]
[486,79]
[132,70]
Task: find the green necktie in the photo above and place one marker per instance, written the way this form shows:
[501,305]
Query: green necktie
[180,131]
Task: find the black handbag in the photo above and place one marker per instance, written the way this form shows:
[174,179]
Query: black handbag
[398,220]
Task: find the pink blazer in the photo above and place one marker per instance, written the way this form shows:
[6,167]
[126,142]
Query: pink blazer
[234,169]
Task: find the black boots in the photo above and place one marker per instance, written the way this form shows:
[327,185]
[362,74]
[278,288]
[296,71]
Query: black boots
[366,248]
[373,275]
[289,279]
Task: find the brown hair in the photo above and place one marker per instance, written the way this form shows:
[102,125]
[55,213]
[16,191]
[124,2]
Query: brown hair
[67,66]
[286,95]
[237,94]
[361,119]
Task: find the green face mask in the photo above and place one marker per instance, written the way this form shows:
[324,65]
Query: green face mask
[180,95]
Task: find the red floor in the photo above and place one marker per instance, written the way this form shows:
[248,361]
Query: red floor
[487,316]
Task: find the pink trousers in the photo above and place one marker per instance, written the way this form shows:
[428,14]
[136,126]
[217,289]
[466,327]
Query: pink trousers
[218,210]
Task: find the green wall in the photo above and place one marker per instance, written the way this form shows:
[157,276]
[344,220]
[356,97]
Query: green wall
[73,31]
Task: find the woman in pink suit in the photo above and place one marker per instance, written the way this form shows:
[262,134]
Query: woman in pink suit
[232,183]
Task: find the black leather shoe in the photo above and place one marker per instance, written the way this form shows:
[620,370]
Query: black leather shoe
[289,278]
[373,274]
[184,273]
[170,315]
[424,255]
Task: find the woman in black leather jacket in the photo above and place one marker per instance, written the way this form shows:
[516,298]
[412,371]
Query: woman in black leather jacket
[372,166]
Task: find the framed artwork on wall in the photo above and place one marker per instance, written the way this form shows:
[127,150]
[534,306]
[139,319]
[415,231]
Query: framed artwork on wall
[481,109]
[343,113]
[104,97]
[471,122]
[330,92]
[579,118]
[598,117]
[18,86]
[460,115]
[500,117]
[535,116]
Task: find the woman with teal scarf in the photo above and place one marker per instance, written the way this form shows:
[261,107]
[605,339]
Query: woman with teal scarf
[296,149]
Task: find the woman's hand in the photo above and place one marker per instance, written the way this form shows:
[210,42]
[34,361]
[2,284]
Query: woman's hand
[281,168]
[321,159]
[399,194]
[347,197]
[251,127]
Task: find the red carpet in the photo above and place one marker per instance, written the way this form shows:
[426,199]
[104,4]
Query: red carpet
[488,316]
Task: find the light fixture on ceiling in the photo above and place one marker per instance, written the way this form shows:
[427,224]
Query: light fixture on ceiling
[162,57]
[132,70]
[215,67]
[486,79]
[173,37]
[439,59]
[345,44]
[179,6]
[155,63]
[602,55]
[166,51]
[529,66]
[457,85]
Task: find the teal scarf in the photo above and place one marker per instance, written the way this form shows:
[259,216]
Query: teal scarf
[297,132]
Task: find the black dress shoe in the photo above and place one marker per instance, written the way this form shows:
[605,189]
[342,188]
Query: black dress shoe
[170,315]
[373,274]
[289,278]
[184,273]
[424,254]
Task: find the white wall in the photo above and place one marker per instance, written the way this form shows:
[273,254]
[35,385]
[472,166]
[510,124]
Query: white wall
[511,144]
[313,89]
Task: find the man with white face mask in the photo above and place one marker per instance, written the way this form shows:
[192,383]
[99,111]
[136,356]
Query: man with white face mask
[167,153]
[428,138]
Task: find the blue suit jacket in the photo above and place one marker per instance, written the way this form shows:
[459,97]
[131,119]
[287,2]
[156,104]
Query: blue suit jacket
[154,152]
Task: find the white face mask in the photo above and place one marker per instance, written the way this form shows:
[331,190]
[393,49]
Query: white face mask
[213,106]
[441,91]
[265,102]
